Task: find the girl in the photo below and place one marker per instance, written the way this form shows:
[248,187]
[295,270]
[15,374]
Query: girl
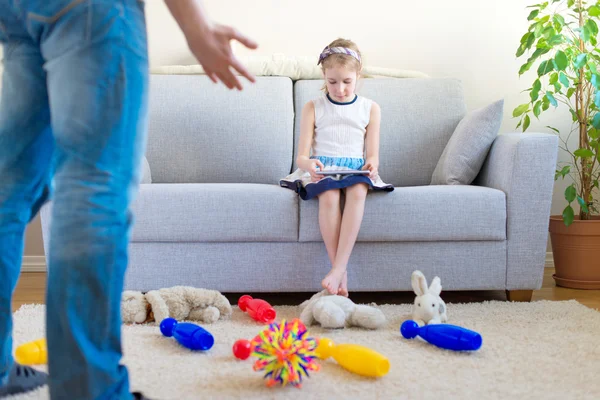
[338,128]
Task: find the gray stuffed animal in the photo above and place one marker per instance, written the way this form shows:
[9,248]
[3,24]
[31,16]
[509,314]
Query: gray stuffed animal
[333,311]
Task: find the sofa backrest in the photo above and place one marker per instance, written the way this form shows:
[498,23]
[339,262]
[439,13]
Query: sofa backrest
[418,116]
[200,132]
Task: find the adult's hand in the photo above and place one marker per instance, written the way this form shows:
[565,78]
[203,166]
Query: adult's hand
[211,43]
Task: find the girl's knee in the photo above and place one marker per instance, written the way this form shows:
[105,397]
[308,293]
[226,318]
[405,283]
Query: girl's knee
[330,198]
[357,192]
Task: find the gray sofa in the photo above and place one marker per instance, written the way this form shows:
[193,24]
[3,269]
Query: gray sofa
[215,216]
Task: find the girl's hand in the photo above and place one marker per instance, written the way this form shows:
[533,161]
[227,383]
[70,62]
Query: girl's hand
[312,170]
[373,168]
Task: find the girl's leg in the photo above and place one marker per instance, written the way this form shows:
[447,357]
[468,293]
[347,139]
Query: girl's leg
[330,217]
[351,221]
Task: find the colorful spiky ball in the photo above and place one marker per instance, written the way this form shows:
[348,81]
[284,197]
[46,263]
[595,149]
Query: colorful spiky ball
[285,352]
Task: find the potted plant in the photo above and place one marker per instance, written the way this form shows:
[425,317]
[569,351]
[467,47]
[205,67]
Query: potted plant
[561,43]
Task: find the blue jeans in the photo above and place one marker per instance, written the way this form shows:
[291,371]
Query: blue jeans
[73,113]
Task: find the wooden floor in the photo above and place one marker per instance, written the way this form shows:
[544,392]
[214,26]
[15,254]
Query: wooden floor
[32,286]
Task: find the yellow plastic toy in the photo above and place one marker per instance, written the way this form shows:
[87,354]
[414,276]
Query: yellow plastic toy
[32,353]
[355,358]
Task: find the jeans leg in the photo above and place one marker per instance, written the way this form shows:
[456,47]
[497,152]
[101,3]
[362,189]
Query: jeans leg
[26,147]
[98,95]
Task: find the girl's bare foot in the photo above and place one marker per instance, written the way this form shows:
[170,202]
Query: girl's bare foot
[333,280]
[343,291]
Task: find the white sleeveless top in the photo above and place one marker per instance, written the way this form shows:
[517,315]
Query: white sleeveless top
[340,128]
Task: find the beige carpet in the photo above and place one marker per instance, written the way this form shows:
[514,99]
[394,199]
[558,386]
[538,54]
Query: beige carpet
[539,350]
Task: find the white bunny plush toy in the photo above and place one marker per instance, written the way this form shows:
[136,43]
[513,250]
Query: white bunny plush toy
[429,308]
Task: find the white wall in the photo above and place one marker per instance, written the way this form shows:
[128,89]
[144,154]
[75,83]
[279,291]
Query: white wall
[472,40]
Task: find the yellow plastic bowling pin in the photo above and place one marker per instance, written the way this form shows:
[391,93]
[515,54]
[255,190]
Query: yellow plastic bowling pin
[355,358]
[31,353]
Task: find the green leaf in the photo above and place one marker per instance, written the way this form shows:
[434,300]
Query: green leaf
[594,81]
[561,60]
[526,122]
[555,40]
[573,115]
[570,193]
[592,26]
[520,110]
[535,90]
[537,109]
[570,92]
[533,14]
[566,169]
[563,79]
[559,20]
[525,37]
[580,60]
[530,41]
[585,33]
[594,11]
[545,67]
[548,32]
[553,78]
[525,67]
[594,133]
[596,121]
[554,129]
[568,215]
[596,183]
[551,99]
[583,153]
[583,204]
[570,3]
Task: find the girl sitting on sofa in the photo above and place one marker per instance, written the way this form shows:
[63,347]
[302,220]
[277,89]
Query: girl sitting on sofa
[337,129]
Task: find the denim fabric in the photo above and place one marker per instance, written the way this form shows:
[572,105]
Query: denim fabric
[73,127]
[346,162]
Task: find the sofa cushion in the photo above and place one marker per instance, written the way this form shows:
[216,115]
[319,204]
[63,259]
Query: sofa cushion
[422,213]
[215,213]
[199,132]
[418,117]
[468,147]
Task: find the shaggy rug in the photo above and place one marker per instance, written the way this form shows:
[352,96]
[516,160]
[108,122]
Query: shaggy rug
[539,350]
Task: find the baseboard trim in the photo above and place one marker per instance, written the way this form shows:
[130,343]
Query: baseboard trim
[38,263]
[33,264]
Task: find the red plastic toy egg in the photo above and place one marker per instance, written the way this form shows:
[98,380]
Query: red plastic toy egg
[242,349]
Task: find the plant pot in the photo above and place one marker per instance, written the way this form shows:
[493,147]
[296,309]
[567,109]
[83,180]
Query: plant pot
[576,251]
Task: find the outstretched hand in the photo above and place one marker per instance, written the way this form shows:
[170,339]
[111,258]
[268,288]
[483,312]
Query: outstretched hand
[212,49]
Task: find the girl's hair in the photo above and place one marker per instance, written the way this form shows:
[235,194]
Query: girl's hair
[339,59]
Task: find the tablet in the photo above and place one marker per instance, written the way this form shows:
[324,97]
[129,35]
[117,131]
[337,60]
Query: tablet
[343,172]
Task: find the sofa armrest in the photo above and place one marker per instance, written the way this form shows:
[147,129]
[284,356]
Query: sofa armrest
[146,173]
[523,165]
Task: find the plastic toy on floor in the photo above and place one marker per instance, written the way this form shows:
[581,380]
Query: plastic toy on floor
[189,335]
[285,352]
[178,302]
[428,308]
[258,309]
[242,349]
[446,336]
[32,353]
[333,311]
[355,358]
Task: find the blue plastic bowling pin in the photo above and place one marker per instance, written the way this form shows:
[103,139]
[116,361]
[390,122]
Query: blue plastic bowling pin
[446,336]
[187,334]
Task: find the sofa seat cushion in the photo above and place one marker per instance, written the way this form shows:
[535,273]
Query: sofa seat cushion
[215,212]
[422,213]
